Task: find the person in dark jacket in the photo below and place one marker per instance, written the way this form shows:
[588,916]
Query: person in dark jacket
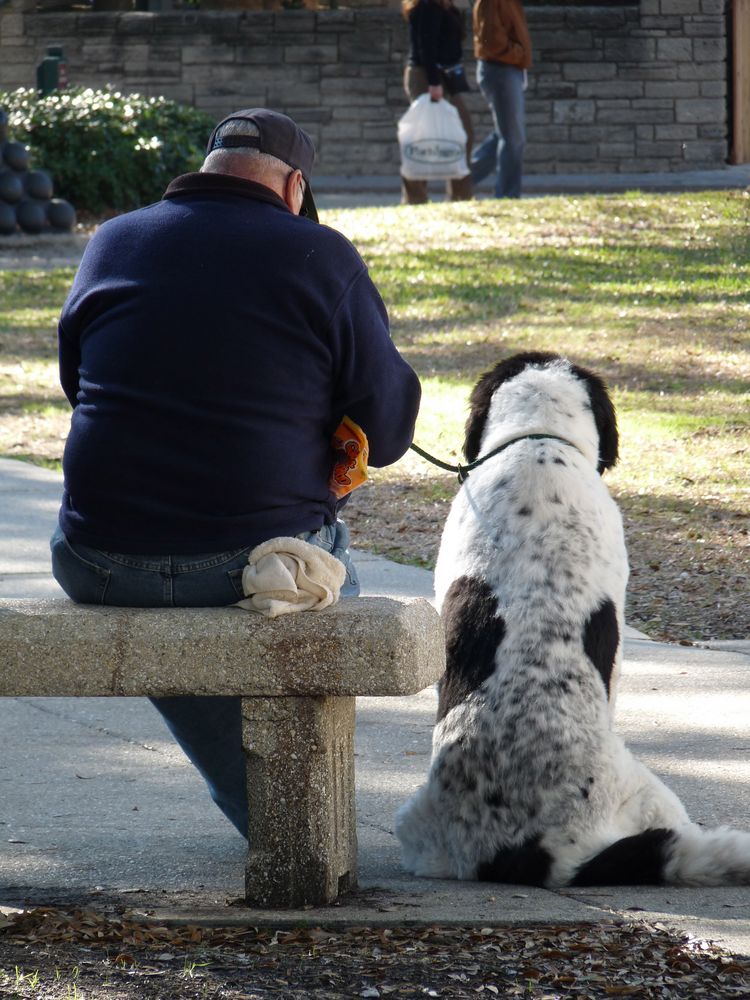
[210,346]
[436,31]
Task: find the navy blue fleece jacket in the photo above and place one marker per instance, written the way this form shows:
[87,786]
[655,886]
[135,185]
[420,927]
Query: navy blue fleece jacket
[210,345]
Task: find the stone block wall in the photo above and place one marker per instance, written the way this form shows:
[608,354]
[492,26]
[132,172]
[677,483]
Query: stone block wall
[628,88]
[613,88]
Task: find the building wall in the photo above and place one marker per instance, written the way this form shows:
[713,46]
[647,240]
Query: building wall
[613,88]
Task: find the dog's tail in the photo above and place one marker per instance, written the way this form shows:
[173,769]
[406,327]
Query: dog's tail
[685,856]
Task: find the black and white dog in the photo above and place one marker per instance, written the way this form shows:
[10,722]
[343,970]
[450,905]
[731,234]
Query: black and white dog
[528,782]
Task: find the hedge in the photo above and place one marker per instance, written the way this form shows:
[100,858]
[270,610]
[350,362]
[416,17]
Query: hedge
[107,150]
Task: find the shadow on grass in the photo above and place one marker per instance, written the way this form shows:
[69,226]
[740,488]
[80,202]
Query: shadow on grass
[27,404]
[660,274]
[675,508]
[23,288]
[28,343]
[465,362]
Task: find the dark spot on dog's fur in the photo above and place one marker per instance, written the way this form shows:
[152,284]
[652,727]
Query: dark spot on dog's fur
[494,799]
[528,864]
[559,461]
[456,770]
[524,511]
[507,739]
[473,632]
[636,860]
[585,793]
[556,685]
[601,637]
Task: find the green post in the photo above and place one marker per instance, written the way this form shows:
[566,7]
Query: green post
[51,73]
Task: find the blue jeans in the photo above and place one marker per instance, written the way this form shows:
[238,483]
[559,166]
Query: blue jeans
[502,150]
[209,730]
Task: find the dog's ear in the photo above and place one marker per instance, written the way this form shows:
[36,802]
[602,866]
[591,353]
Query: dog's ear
[481,396]
[604,416]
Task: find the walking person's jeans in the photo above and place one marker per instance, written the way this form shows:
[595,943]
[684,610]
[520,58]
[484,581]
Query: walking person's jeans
[502,150]
[209,729]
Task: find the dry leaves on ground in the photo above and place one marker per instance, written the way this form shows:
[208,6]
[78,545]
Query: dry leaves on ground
[108,956]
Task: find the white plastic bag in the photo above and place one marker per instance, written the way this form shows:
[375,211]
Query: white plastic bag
[432,141]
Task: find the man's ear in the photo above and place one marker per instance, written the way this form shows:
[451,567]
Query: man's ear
[294,191]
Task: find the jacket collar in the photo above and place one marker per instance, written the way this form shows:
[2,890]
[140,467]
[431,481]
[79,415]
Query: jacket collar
[227,184]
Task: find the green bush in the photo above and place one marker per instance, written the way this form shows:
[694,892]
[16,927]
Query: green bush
[104,149]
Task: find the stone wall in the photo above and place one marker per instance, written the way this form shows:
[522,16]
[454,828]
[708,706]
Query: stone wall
[614,88]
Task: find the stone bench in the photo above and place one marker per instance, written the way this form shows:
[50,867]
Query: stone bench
[297,675]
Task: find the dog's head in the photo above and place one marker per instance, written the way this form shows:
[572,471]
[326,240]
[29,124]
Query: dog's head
[530,392]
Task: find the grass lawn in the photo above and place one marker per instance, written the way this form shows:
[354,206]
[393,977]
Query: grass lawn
[652,291]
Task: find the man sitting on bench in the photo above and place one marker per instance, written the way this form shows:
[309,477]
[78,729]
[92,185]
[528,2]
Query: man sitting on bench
[210,346]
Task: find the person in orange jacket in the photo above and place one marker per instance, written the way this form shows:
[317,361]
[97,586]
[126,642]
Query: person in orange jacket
[502,46]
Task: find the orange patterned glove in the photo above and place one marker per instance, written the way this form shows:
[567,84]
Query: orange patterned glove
[350,450]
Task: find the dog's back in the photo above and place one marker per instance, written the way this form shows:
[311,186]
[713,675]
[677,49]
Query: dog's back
[528,783]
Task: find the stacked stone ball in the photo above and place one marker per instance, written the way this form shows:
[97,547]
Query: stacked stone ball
[26,195]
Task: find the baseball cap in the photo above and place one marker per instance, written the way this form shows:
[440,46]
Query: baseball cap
[277,136]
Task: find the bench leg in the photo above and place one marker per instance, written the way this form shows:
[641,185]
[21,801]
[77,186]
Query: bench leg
[300,780]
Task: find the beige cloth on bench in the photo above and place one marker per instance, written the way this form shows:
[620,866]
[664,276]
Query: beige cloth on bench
[286,574]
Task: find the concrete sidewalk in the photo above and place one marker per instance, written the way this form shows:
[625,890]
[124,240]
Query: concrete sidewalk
[351,192]
[98,805]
